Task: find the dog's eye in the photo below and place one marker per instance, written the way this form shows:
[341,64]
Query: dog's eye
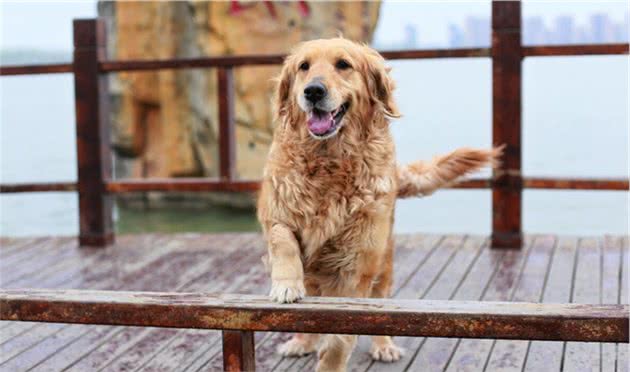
[342,64]
[304,66]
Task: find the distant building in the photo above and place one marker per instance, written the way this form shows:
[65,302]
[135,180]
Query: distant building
[534,31]
[411,36]
[564,32]
[455,36]
[477,32]
[602,28]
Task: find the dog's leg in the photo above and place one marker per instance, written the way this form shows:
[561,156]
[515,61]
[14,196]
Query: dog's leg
[336,349]
[301,343]
[287,273]
[383,347]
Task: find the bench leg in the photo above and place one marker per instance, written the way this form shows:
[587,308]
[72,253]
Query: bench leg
[238,351]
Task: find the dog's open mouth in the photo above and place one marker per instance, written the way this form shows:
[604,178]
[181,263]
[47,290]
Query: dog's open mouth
[324,124]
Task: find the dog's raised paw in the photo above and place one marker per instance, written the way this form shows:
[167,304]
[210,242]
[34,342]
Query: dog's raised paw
[287,291]
[294,348]
[386,353]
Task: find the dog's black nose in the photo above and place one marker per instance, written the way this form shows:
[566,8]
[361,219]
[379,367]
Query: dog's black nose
[314,92]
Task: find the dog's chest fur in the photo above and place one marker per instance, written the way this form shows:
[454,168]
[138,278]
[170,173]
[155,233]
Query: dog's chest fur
[321,193]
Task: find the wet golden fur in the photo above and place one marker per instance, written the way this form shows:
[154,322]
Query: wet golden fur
[327,206]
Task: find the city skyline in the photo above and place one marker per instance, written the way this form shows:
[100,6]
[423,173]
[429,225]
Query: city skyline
[474,31]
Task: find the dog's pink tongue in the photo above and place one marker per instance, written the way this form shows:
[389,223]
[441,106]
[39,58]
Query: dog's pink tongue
[320,124]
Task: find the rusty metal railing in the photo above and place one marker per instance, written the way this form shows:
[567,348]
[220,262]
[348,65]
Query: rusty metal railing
[238,316]
[96,185]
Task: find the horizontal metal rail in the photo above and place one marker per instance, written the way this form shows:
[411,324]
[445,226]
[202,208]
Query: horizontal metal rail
[275,59]
[37,187]
[576,183]
[181,184]
[574,50]
[419,318]
[205,184]
[56,68]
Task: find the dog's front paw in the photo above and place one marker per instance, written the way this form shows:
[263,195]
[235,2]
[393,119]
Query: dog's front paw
[287,290]
[386,353]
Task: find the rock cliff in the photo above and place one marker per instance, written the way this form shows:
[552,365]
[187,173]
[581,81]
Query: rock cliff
[165,122]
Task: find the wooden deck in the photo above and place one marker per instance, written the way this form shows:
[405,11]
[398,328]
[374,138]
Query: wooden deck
[549,269]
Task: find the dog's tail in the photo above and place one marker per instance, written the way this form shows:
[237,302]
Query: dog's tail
[424,178]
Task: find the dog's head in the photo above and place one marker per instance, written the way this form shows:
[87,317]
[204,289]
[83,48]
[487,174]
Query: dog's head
[330,83]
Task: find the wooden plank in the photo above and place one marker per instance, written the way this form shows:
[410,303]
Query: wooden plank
[35,280]
[570,322]
[153,345]
[40,333]
[584,356]
[13,329]
[64,273]
[610,288]
[45,346]
[506,123]
[473,288]
[132,259]
[510,355]
[411,254]
[28,250]
[435,353]
[92,133]
[547,355]
[124,346]
[17,345]
[238,351]
[56,250]
[471,355]
[9,246]
[48,279]
[430,354]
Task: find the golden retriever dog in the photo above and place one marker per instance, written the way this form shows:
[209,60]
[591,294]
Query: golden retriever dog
[326,204]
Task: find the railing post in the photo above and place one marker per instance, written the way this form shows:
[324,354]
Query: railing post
[238,351]
[227,148]
[92,130]
[506,123]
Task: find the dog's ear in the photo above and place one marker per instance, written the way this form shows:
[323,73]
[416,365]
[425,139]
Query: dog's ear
[380,84]
[283,89]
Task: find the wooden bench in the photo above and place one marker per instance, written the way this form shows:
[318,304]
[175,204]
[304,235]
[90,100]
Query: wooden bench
[240,315]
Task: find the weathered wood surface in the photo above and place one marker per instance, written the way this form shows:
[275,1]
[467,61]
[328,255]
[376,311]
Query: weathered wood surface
[529,51]
[507,57]
[205,184]
[430,267]
[431,318]
[92,109]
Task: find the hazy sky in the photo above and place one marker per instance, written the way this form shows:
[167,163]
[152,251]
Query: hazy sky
[47,24]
